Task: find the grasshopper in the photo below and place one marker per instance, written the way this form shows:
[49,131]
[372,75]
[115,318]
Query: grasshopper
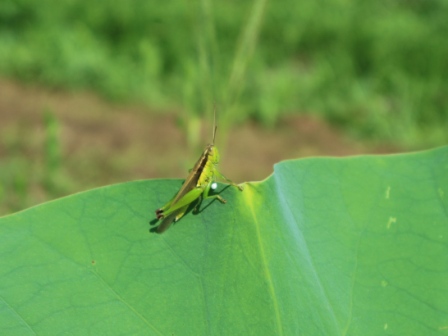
[197,185]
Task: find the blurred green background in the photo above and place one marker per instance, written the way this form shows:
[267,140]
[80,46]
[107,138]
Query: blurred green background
[93,93]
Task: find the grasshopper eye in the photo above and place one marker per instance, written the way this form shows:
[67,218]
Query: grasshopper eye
[214,186]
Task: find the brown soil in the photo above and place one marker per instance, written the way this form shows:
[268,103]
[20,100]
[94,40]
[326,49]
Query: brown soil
[104,143]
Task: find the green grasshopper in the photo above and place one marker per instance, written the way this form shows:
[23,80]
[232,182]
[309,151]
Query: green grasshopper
[198,184]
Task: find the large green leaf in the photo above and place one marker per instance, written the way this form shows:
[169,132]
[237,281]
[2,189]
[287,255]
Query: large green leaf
[355,246]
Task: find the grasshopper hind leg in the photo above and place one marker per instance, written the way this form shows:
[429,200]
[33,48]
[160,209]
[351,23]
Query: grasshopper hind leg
[170,219]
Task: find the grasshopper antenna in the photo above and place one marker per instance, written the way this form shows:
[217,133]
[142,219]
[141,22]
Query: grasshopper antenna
[214,123]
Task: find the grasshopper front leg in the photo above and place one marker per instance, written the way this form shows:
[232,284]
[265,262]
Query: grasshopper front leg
[217,172]
[206,195]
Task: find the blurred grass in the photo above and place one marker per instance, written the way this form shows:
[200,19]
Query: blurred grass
[31,168]
[376,68]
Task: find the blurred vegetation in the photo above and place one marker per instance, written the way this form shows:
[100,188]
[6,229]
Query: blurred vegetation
[376,68]
[30,172]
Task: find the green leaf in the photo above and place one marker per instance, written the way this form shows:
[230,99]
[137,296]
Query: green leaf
[354,246]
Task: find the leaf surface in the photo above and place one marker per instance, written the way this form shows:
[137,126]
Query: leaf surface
[353,246]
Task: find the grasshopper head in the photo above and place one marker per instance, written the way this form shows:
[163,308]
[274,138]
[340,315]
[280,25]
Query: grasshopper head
[213,154]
